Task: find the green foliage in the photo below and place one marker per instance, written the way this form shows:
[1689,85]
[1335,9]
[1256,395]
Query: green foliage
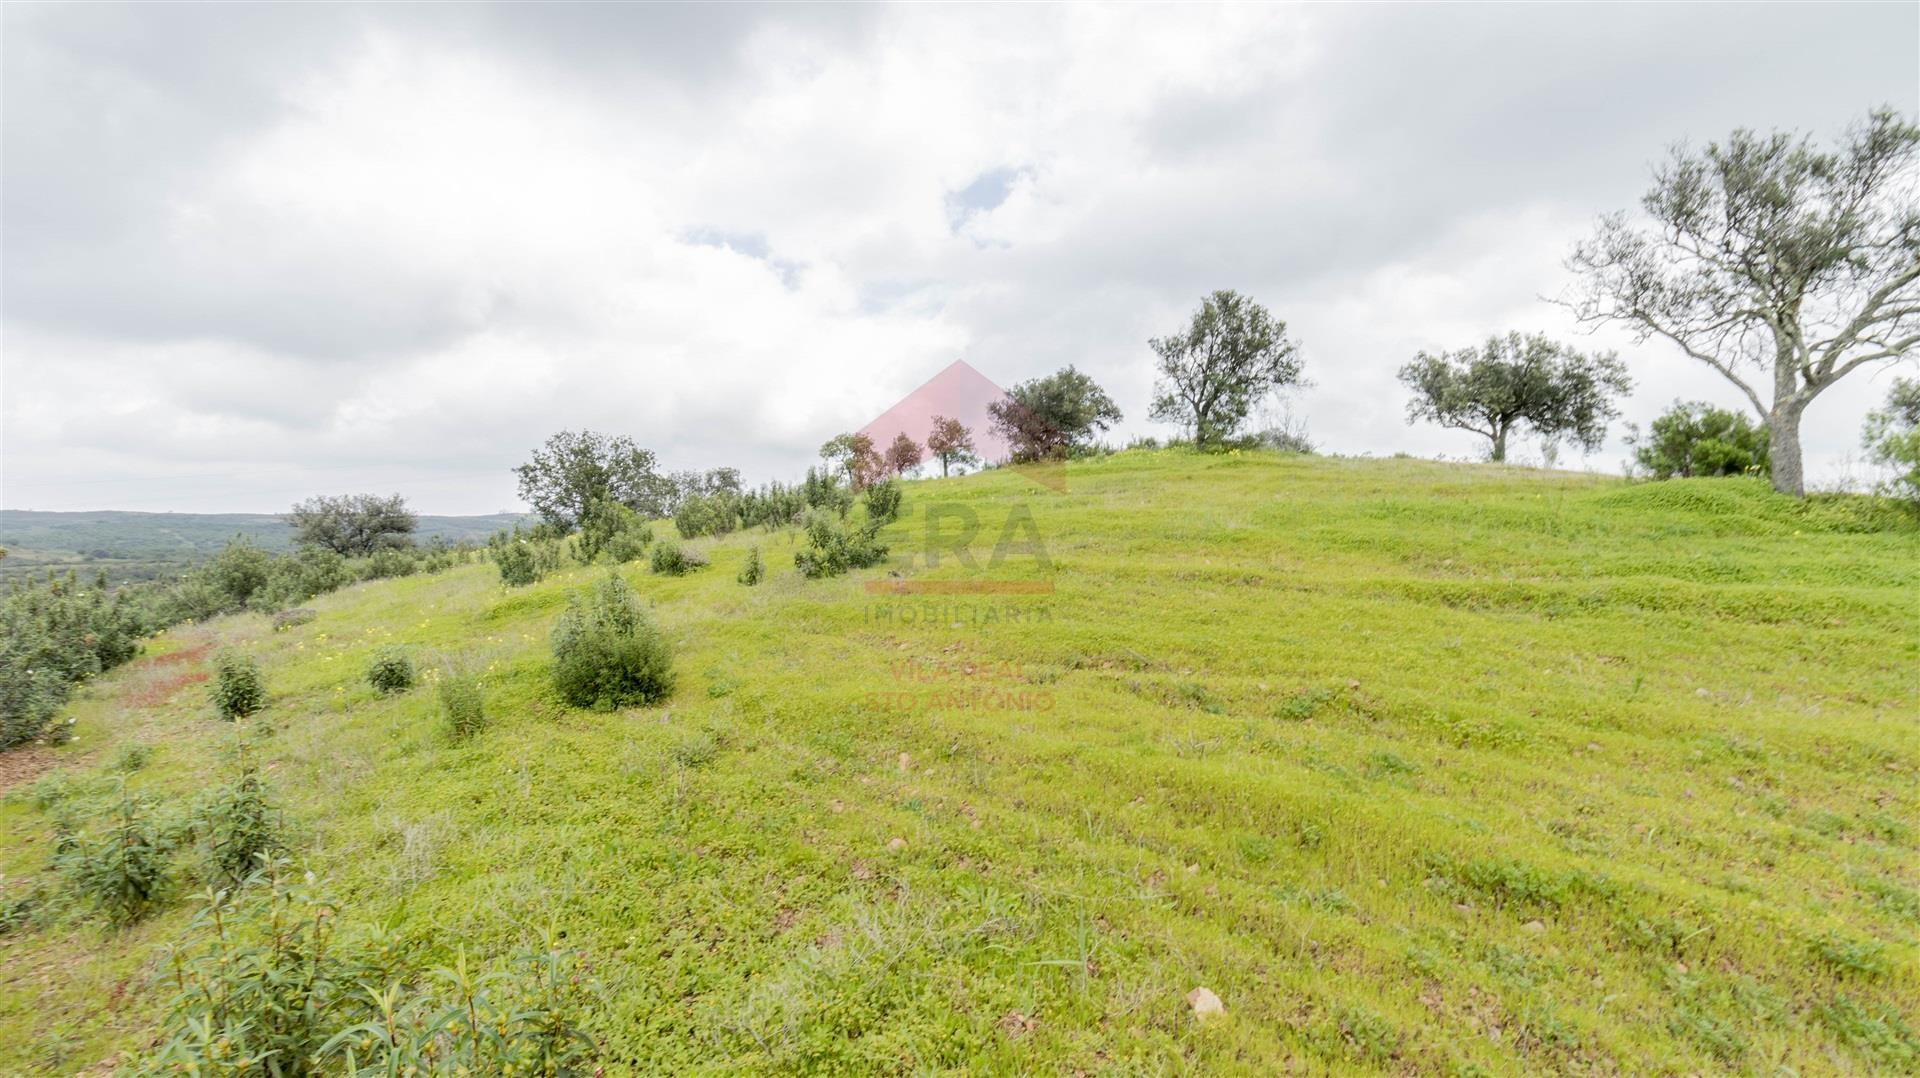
[307,572]
[753,570]
[1513,380]
[575,470]
[463,702]
[240,825]
[672,559]
[354,525]
[1697,439]
[607,653]
[833,548]
[519,566]
[614,530]
[56,633]
[237,688]
[391,670]
[123,871]
[238,571]
[1231,354]
[1048,418]
[883,501]
[852,457]
[386,564]
[706,514]
[265,981]
[1892,439]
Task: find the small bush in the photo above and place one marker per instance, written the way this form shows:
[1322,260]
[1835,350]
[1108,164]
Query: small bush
[287,619]
[607,653]
[1696,439]
[832,548]
[269,984]
[130,757]
[518,564]
[753,570]
[241,825]
[237,688]
[671,559]
[883,502]
[123,870]
[463,703]
[387,564]
[390,671]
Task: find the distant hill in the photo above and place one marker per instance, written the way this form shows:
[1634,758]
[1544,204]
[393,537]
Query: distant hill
[140,545]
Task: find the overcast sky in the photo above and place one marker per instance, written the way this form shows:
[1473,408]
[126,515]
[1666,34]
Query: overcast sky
[255,253]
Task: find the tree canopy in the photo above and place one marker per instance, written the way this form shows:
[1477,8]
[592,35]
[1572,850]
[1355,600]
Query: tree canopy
[1049,418]
[1232,353]
[903,455]
[1768,256]
[1513,380]
[354,524]
[575,469]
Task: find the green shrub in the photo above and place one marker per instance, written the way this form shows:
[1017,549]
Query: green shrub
[1892,439]
[1696,439]
[391,671]
[832,548]
[671,559]
[607,653]
[287,619]
[387,564]
[518,564]
[241,826]
[270,985]
[613,529]
[123,870]
[463,703]
[307,572]
[752,572]
[883,502]
[237,688]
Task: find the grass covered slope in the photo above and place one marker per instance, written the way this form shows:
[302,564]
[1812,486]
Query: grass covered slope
[1416,766]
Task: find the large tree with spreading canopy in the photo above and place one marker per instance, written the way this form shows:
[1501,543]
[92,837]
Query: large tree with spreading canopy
[1783,266]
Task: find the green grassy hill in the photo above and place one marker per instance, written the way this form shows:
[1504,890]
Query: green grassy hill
[1418,767]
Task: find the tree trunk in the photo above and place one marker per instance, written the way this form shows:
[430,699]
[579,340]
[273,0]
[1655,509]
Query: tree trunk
[1783,448]
[1499,443]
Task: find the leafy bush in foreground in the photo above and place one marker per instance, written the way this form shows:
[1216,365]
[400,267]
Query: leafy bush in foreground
[390,671]
[237,688]
[606,651]
[832,548]
[518,567]
[270,985]
[240,824]
[122,871]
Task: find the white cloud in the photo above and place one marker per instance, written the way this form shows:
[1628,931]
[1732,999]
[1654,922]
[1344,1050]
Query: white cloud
[399,257]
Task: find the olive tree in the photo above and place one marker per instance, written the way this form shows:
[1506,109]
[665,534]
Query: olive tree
[1768,257]
[575,469]
[354,524]
[1049,418]
[1513,380]
[1231,354]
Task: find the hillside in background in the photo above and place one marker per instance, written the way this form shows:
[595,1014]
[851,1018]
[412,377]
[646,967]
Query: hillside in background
[1417,767]
[138,546]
